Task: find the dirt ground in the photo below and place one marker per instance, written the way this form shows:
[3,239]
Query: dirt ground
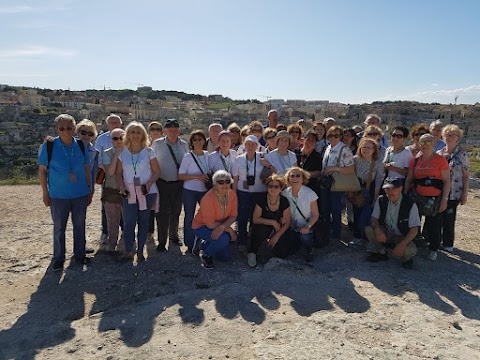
[340,307]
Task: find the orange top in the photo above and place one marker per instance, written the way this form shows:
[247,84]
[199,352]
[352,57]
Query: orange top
[429,168]
[210,210]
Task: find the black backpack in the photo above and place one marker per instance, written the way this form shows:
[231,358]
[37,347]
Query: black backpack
[50,149]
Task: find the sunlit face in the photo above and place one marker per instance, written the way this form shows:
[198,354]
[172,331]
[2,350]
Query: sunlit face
[334,138]
[426,145]
[172,132]
[222,185]
[135,134]
[117,138]
[436,130]
[235,138]
[114,123]
[257,131]
[273,119]
[417,135]
[320,131]
[295,134]
[295,178]
[198,142]
[225,142]
[274,187]
[452,137]
[270,140]
[397,137]
[213,133]
[367,150]
[283,143]
[155,132]
[309,143]
[250,146]
[65,129]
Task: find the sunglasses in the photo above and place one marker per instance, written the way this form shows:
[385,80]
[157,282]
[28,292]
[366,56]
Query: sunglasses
[367,148]
[418,134]
[336,136]
[295,175]
[294,132]
[85,132]
[397,136]
[452,135]
[68,128]
[257,130]
[224,182]
[197,139]
[235,131]
[156,129]
[116,138]
[270,137]
[373,134]
[274,186]
[426,142]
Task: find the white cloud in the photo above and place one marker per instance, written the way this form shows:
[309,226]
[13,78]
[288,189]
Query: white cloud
[434,85]
[466,95]
[34,52]
[473,89]
[15,9]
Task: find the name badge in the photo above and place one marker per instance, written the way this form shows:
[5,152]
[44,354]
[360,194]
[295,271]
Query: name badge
[72,177]
[136,181]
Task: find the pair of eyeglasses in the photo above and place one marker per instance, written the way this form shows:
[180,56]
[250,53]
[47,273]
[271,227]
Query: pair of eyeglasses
[295,175]
[419,134]
[85,132]
[452,135]
[336,136]
[68,128]
[135,132]
[397,136]
[274,186]
[270,137]
[155,129]
[197,139]
[235,131]
[367,148]
[294,132]
[224,182]
[116,138]
[373,134]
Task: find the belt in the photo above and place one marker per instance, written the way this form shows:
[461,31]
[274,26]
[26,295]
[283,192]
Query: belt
[169,182]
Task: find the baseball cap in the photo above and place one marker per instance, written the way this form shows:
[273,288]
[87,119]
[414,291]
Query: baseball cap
[171,123]
[392,183]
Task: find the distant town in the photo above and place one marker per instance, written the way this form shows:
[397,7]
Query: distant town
[26,114]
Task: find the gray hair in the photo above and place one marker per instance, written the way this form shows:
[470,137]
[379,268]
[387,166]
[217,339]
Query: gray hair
[214,124]
[221,175]
[272,111]
[435,123]
[111,116]
[65,117]
[369,116]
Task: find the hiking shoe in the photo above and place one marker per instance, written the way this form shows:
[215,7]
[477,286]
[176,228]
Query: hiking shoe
[252,260]
[432,255]
[196,246]
[408,264]
[448,249]
[58,265]
[356,242]
[83,261]
[161,248]
[376,257]
[207,262]
[89,250]
[140,257]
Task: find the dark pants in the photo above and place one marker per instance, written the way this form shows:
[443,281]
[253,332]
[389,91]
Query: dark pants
[104,221]
[190,200]
[433,230]
[151,222]
[170,208]
[332,210]
[285,246]
[246,205]
[60,210]
[362,216]
[448,223]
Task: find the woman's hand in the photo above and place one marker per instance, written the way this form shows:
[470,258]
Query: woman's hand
[203,177]
[232,233]
[443,206]
[217,232]
[463,198]
[273,240]
[276,225]
[330,169]
[305,230]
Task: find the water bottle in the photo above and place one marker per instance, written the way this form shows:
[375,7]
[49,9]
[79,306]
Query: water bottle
[430,203]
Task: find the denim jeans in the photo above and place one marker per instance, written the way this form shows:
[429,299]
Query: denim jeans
[190,200]
[362,216]
[60,210]
[133,216]
[246,205]
[305,240]
[220,248]
[332,210]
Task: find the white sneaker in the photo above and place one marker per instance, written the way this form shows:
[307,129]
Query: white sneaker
[448,249]
[432,255]
[252,260]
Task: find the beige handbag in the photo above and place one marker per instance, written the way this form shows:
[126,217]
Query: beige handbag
[344,182]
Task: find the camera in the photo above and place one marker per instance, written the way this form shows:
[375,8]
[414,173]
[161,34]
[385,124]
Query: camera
[250,180]
[144,189]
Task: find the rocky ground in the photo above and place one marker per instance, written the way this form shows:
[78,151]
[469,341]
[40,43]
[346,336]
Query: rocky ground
[340,307]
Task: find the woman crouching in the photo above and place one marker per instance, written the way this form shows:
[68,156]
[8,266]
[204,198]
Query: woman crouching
[271,222]
[212,223]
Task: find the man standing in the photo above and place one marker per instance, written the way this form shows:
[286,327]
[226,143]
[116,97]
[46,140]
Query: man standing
[103,143]
[272,117]
[436,128]
[170,151]
[394,225]
[64,175]
[213,132]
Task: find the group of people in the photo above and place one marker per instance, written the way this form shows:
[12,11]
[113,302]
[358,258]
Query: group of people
[256,185]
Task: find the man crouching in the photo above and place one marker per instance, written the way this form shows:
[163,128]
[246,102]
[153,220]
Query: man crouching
[394,225]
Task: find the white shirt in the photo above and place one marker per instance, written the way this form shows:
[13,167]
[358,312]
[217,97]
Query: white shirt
[137,165]
[217,161]
[400,160]
[168,168]
[240,170]
[280,162]
[331,156]
[241,149]
[303,201]
[189,167]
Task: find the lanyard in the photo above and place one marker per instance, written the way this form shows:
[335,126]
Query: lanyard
[254,166]
[134,163]
[69,159]
[226,164]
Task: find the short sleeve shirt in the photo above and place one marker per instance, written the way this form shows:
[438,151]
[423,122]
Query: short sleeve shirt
[281,162]
[189,167]
[137,165]
[217,161]
[168,167]
[243,167]
[262,201]
[431,168]
[458,162]
[391,218]
[401,160]
[302,202]
[331,156]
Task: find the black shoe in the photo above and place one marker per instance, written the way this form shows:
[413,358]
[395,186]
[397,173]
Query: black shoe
[140,258]
[175,240]
[83,261]
[196,246]
[351,226]
[408,264]
[161,248]
[58,265]
[207,262]
[89,250]
[310,257]
[376,257]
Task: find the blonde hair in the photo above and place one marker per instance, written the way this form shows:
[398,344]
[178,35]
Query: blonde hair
[305,175]
[376,150]
[132,126]
[86,123]
[369,128]
[452,128]
[276,177]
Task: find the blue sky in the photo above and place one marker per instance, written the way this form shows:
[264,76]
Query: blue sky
[349,51]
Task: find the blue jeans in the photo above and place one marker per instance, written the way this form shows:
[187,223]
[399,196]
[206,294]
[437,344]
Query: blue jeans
[362,216]
[220,248]
[131,216]
[246,205]
[305,240]
[60,210]
[332,210]
[190,200]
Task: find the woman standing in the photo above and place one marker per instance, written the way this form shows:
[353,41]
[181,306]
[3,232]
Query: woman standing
[369,170]
[429,174]
[269,135]
[397,157]
[212,223]
[224,157]
[87,132]
[417,132]
[295,132]
[303,207]
[458,162]
[281,158]
[236,138]
[194,174]
[321,131]
[350,139]
[338,158]
[248,185]
[271,219]
[375,133]
[137,170]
